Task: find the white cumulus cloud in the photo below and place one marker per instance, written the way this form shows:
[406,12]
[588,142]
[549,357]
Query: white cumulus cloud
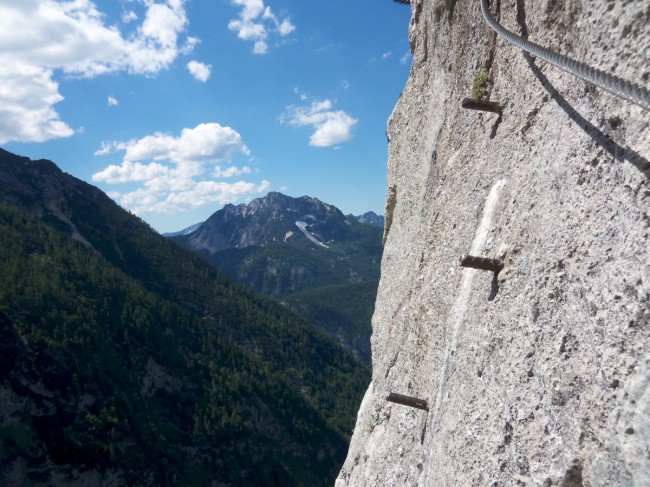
[112,101]
[190,44]
[27,97]
[286,27]
[129,16]
[131,171]
[172,169]
[229,172]
[40,38]
[200,71]
[260,47]
[331,127]
[257,23]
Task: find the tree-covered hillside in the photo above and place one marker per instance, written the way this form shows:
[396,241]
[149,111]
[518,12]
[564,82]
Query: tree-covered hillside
[127,357]
[332,290]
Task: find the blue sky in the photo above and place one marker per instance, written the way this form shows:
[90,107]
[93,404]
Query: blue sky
[177,107]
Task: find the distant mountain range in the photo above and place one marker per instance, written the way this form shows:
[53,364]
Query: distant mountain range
[306,254]
[184,231]
[369,218]
[128,360]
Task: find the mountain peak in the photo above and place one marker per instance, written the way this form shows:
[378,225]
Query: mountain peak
[371,218]
[274,218]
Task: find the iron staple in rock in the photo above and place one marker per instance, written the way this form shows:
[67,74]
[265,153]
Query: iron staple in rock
[482,263]
[407,401]
[484,106]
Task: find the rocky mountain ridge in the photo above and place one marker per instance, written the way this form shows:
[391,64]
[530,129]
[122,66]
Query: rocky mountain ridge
[368,218]
[274,218]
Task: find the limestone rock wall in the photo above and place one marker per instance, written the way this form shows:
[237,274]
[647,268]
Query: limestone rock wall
[539,377]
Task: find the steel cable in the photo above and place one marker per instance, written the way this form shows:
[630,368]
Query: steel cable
[621,88]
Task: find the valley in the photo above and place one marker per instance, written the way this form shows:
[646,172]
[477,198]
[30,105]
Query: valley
[304,253]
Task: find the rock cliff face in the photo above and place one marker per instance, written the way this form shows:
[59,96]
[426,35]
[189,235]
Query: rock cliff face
[540,376]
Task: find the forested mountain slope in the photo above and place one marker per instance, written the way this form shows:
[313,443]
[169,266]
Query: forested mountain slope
[130,359]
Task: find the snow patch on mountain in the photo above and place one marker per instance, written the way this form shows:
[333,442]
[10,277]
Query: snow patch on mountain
[303,228]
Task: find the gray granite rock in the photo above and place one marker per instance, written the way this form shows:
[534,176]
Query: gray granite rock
[540,376]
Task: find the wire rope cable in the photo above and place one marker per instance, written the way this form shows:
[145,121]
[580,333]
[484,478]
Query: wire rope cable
[619,87]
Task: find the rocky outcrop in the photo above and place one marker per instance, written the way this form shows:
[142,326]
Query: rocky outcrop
[540,375]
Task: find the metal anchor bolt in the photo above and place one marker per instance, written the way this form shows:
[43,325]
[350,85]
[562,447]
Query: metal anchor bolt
[407,401]
[484,106]
[494,265]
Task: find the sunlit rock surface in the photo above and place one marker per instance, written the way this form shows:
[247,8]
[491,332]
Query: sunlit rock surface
[539,376]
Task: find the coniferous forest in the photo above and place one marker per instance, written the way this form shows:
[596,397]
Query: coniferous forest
[128,358]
